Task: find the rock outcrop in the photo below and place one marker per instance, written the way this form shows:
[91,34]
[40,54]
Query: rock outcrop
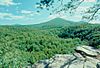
[84,57]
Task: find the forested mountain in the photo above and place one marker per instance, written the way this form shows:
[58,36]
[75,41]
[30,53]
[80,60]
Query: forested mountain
[22,45]
[56,23]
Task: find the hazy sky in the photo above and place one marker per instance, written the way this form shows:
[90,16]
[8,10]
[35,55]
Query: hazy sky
[24,12]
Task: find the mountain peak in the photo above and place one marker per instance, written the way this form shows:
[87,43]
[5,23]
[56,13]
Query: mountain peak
[58,18]
[56,22]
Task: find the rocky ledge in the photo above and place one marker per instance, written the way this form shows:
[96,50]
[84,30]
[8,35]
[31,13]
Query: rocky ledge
[84,57]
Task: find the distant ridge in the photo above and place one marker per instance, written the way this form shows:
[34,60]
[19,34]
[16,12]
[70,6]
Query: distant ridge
[59,21]
[55,23]
[16,24]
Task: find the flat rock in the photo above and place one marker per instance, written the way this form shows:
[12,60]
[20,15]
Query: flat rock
[77,60]
[60,60]
[89,62]
[75,64]
[90,51]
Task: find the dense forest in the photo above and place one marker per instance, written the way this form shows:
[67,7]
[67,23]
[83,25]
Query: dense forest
[21,45]
[87,32]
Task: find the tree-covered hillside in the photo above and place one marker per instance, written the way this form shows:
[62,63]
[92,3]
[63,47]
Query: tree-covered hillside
[56,23]
[23,45]
[87,32]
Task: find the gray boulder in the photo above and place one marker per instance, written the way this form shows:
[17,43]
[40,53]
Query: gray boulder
[77,60]
[87,50]
[60,60]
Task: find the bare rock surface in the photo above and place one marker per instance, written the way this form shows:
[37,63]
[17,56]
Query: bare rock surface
[84,57]
[87,50]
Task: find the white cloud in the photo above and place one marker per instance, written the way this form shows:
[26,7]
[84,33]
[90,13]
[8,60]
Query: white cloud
[95,22]
[89,0]
[75,16]
[25,15]
[29,13]
[8,2]
[61,15]
[81,9]
[26,12]
[38,6]
[53,16]
[9,16]
[66,16]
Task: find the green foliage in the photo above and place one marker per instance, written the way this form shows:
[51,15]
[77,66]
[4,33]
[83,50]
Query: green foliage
[23,45]
[87,32]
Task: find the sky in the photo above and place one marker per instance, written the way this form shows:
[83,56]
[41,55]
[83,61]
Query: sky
[24,12]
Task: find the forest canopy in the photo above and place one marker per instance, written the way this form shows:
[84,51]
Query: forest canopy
[23,45]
